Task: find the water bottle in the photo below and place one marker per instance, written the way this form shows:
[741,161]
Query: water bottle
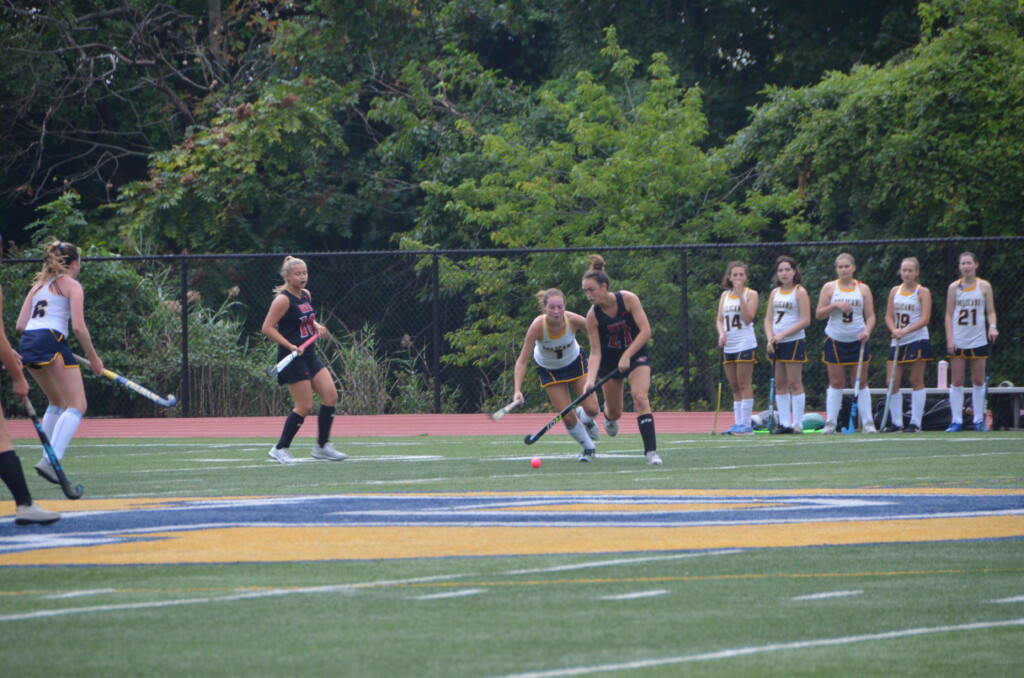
[943,374]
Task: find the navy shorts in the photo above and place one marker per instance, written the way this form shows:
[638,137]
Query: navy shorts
[971,353]
[41,347]
[577,369]
[791,351]
[740,357]
[912,352]
[844,352]
[303,368]
[610,362]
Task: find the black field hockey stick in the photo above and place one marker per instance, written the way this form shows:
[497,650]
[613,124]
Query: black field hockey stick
[169,401]
[65,484]
[275,370]
[614,374]
[856,390]
[889,389]
[718,406]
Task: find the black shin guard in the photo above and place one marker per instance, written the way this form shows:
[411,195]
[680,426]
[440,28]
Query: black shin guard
[291,426]
[646,424]
[14,477]
[324,419]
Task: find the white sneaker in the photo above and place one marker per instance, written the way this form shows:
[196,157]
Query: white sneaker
[45,469]
[652,458]
[611,427]
[592,430]
[281,454]
[830,428]
[869,427]
[328,452]
[34,514]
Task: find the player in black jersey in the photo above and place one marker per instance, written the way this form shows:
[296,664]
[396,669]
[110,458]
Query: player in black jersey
[289,322]
[619,332]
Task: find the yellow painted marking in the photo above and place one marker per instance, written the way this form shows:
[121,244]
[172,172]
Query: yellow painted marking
[293,544]
[614,508]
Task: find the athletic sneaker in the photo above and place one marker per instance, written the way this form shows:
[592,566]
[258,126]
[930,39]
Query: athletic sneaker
[587,455]
[34,514]
[869,427]
[611,427]
[45,469]
[980,426]
[830,428]
[328,452]
[592,429]
[281,454]
[731,430]
[741,431]
[893,428]
[911,428]
[955,427]
[652,458]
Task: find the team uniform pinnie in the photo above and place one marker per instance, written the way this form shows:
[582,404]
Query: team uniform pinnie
[291,322]
[736,310]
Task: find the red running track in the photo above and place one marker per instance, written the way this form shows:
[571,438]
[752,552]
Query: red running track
[368,425]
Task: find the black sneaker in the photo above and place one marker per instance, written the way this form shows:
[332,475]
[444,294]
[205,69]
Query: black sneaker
[782,430]
[910,428]
[587,455]
[893,428]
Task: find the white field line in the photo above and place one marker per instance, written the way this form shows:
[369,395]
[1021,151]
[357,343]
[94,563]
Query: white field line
[635,596]
[623,561]
[450,594]
[763,649]
[79,594]
[1013,599]
[828,594]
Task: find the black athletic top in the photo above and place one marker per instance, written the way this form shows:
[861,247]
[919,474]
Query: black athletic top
[296,325]
[616,333]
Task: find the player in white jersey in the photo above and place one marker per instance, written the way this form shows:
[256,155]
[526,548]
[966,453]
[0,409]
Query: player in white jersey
[969,307]
[906,316]
[850,309]
[55,299]
[789,313]
[560,364]
[736,310]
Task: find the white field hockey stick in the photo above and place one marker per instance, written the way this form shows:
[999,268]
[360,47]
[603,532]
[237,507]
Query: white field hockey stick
[856,390]
[892,382]
[71,492]
[169,401]
[505,410]
[275,370]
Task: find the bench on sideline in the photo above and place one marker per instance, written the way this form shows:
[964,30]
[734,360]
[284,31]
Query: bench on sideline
[1016,392]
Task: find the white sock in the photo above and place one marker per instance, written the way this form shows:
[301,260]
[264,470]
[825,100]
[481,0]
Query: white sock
[746,411]
[956,404]
[896,409]
[737,412]
[799,404]
[50,418]
[579,432]
[65,430]
[977,396]
[784,405]
[917,407]
[582,415]
[864,406]
[833,401]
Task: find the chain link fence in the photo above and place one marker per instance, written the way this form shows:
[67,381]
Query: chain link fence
[439,331]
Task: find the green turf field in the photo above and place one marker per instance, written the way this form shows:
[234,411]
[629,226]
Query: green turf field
[715,590]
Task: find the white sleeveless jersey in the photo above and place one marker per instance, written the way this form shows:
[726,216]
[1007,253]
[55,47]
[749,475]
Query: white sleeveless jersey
[556,352]
[846,327]
[785,312]
[49,311]
[906,308]
[969,316]
[739,336]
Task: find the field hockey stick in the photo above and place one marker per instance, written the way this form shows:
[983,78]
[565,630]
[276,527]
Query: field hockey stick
[718,406]
[892,382]
[287,360]
[65,484]
[856,390]
[984,394]
[505,410]
[169,401]
[530,440]
[771,397]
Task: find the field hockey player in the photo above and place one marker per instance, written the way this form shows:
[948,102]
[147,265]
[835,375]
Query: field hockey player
[737,308]
[55,300]
[970,332]
[906,316]
[291,321]
[789,314]
[619,331]
[561,364]
[849,307]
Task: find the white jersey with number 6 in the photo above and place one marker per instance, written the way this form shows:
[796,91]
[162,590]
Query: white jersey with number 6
[49,311]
